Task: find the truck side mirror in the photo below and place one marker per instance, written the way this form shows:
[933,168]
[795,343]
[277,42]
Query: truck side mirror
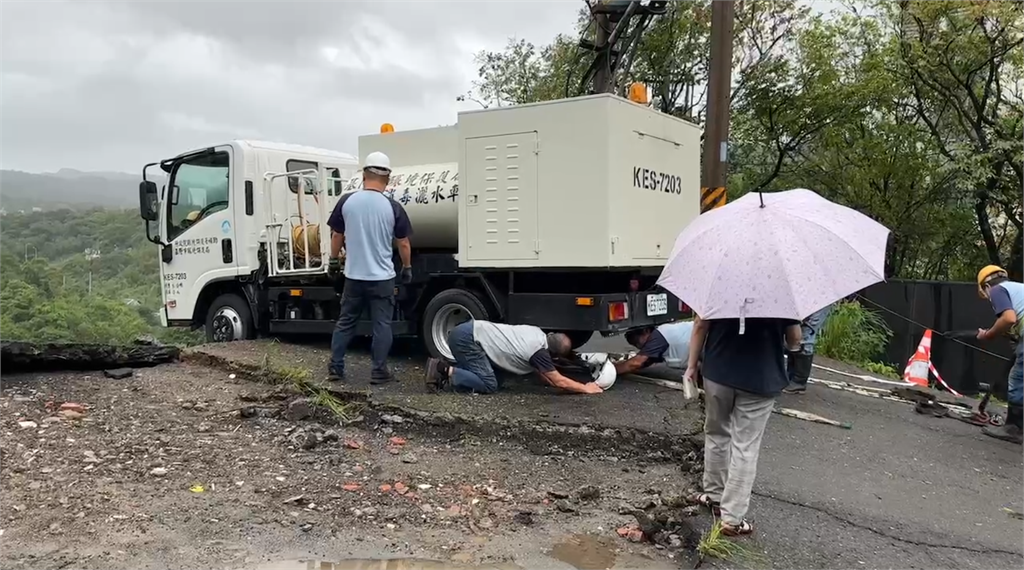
[148,201]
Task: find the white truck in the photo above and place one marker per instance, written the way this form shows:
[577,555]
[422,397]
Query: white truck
[558,214]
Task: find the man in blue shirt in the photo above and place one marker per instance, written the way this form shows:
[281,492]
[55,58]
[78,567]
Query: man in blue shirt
[668,343]
[1007,298]
[368,225]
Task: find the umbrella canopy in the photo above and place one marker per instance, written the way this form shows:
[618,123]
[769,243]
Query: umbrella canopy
[781,254]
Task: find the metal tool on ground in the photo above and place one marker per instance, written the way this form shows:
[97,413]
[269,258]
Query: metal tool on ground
[979,416]
[809,417]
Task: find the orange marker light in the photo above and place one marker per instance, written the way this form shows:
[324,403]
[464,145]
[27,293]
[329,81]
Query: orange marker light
[387,128]
[638,93]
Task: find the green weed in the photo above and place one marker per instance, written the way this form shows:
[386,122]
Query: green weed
[855,335]
[301,379]
[714,544]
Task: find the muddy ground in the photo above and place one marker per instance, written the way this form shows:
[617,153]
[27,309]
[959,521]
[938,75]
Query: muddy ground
[120,486]
[162,471]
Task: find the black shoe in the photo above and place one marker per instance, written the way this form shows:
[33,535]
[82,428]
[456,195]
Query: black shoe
[436,375]
[795,388]
[1007,432]
[381,379]
[1010,431]
[335,376]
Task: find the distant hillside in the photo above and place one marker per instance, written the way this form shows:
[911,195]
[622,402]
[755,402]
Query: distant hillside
[68,188]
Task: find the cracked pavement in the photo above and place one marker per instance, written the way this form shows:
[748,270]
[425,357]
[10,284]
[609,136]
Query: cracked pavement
[899,490]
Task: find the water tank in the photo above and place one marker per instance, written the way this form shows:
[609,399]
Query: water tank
[428,193]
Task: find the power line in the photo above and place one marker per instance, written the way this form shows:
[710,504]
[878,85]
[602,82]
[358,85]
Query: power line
[944,335]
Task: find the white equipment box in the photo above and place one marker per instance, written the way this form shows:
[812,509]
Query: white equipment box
[593,181]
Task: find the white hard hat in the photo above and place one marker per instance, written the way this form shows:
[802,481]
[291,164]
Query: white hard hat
[378,161]
[602,368]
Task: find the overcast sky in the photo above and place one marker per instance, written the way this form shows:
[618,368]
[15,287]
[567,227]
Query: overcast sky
[113,85]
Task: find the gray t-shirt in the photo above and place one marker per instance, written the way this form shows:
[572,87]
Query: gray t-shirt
[371,223]
[519,349]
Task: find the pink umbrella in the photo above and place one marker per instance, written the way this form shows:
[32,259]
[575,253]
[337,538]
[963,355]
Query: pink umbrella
[781,254]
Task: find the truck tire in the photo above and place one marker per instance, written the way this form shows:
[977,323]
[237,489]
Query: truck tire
[578,338]
[447,309]
[229,318]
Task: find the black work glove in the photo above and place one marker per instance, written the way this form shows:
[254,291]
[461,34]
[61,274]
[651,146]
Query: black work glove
[407,275]
[334,267]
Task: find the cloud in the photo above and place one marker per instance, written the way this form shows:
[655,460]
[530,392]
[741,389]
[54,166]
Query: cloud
[111,86]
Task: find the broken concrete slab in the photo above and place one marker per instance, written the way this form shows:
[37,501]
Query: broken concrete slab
[119,373]
[17,357]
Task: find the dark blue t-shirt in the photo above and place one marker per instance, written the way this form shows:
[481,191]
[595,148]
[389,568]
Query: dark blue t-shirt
[753,361]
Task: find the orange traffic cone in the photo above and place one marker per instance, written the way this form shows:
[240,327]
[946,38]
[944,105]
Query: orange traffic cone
[916,371]
[920,364]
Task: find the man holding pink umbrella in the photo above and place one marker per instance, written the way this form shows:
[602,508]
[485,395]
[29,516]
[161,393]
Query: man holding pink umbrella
[751,271]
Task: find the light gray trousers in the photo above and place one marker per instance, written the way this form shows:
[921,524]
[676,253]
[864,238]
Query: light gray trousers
[733,425]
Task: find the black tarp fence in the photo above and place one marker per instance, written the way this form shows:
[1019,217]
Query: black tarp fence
[942,307]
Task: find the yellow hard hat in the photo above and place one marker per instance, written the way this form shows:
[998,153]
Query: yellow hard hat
[986,273]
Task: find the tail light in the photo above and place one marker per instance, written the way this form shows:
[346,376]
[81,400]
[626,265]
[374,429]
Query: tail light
[617,311]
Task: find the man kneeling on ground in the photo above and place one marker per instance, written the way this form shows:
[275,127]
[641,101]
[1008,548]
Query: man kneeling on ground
[479,346]
[668,343]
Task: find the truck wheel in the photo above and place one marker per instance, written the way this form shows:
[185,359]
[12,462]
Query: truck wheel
[444,312]
[578,338]
[229,318]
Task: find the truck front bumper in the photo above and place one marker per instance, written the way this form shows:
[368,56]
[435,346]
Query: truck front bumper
[608,313]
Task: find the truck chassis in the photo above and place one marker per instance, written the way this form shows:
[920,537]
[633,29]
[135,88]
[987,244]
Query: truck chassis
[440,297]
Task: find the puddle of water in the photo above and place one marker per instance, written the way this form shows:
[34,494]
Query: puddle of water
[377,564]
[585,552]
[589,552]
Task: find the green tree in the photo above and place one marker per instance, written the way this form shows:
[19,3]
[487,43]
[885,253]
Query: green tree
[963,63]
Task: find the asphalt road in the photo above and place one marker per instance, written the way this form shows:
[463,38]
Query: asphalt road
[899,490]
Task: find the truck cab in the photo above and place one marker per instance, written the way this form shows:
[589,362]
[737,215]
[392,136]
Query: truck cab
[224,221]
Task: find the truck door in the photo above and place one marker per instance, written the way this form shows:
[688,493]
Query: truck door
[198,228]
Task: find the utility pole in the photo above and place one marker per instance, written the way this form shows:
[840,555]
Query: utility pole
[620,23]
[91,254]
[716,127]
[602,73]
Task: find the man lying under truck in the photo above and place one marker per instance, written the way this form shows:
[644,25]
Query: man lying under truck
[480,346]
[668,343]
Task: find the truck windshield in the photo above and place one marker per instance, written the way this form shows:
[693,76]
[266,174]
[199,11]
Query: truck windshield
[199,188]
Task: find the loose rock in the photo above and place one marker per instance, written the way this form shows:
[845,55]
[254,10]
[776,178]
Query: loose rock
[298,409]
[558,495]
[306,440]
[158,471]
[565,506]
[588,493]
[409,458]
[392,419]
[27,424]
[73,407]
[524,518]
[118,373]
[257,412]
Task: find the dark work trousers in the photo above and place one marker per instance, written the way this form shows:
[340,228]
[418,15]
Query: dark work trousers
[379,296]
[473,371]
